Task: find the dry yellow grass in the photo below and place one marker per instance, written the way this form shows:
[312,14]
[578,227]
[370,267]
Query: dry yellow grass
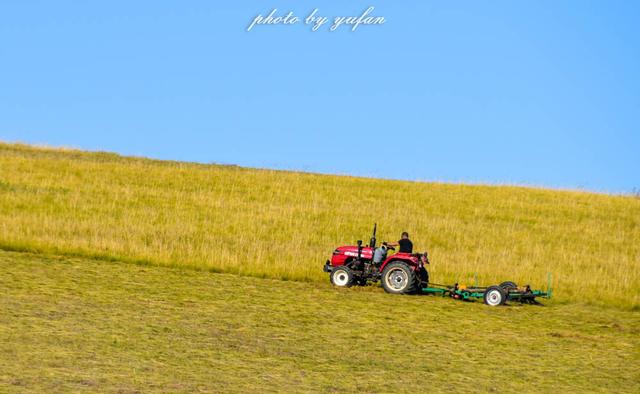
[285,224]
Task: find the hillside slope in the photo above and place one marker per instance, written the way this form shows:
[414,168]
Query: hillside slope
[284,225]
[73,324]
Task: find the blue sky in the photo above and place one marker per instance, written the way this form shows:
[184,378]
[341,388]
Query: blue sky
[543,93]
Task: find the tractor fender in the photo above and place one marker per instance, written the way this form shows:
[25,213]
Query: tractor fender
[413,263]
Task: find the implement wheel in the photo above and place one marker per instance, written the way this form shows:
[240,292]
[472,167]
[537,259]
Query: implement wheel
[399,278]
[495,295]
[341,277]
[508,285]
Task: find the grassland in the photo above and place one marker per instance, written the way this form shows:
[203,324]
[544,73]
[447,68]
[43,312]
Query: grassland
[126,274]
[283,225]
[81,325]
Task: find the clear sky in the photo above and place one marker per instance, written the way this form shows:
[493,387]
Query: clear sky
[543,93]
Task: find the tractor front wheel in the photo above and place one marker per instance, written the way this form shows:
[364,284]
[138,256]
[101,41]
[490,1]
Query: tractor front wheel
[399,278]
[341,277]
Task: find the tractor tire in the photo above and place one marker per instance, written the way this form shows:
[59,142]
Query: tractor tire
[495,295]
[399,278]
[508,285]
[423,275]
[341,277]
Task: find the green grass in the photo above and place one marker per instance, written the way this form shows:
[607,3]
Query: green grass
[74,324]
[284,225]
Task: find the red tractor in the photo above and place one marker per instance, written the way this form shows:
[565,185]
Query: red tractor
[405,273]
[400,273]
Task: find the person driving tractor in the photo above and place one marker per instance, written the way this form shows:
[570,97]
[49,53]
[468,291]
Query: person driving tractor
[380,254]
[406,246]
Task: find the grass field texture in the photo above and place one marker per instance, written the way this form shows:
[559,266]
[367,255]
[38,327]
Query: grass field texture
[284,225]
[80,325]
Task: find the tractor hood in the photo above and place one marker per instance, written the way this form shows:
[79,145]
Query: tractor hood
[352,251]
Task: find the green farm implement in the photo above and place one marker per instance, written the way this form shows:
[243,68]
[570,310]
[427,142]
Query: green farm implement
[491,295]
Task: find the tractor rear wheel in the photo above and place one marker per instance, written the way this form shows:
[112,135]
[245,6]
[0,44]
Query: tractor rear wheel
[424,278]
[399,278]
[341,277]
[495,295]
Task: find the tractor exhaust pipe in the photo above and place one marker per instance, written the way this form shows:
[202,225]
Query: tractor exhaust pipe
[372,241]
